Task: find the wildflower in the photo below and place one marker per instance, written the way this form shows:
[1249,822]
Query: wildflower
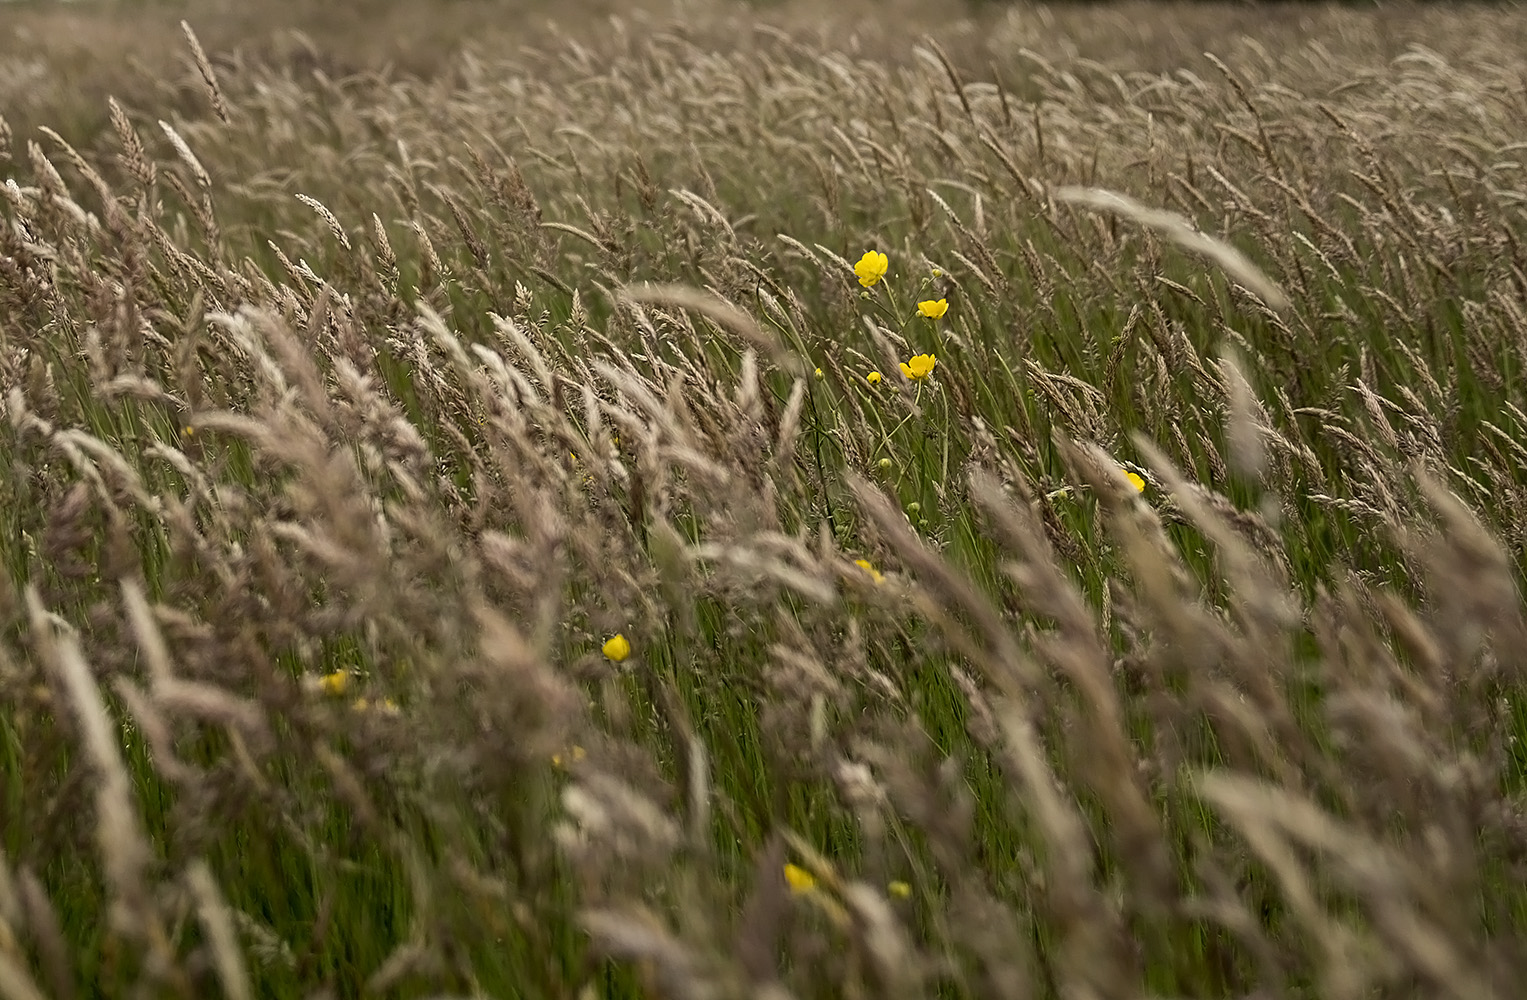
[937,273]
[819,373]
[899,889]
[865,565]
[617,647]
[919,367]
[933,308]
[801,881]
[334,683]
[1135,480]
[578,753]
[885,465]
[873,378]
[188,431]
[872,267]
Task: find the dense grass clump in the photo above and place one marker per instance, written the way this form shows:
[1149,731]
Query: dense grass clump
[725,511]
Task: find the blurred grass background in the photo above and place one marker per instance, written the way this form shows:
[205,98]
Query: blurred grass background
[59,61]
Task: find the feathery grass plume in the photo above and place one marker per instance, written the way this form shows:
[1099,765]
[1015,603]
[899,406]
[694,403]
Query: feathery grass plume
[221,934]
[208,77]
[186,156]
[1177,229]
[328,218]
[125,851]
[15,983]
[721,312]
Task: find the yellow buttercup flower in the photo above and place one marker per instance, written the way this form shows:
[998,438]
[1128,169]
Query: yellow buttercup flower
[900,890]
[617,647]
[578,754]
[919,367]
[801,881]
[335,683]
[933,308]
[873,378]
[819,373]
[1136,480]
[865,565]
[872,267]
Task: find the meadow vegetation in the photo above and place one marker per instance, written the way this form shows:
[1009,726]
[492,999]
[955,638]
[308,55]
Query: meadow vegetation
[772,505]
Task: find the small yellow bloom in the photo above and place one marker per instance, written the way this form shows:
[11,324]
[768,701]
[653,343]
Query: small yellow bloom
[1135,480]
[865,565]
[819,373]
[873,378]
[335,683]
[801,881]
[899,889]
[578,754]
[919,367]
[933,308]
[188,431]
[872,267]
[617,647]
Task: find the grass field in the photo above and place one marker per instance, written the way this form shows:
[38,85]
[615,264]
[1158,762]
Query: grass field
[763,503]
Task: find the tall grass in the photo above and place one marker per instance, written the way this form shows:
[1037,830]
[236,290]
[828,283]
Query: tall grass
[1165,639]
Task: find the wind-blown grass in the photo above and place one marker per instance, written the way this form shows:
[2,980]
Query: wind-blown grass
[348,420]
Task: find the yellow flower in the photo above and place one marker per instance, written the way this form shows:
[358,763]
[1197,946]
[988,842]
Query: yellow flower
[819,373]
[872,267]
[334,683]
[578,754]
[1135,480]
[933,308]
[801,881]
[873,378]
[899,889]
[617,647]
[919,367]
[865,565]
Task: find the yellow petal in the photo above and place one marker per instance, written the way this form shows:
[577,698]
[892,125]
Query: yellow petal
[617,647]
[800,880]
